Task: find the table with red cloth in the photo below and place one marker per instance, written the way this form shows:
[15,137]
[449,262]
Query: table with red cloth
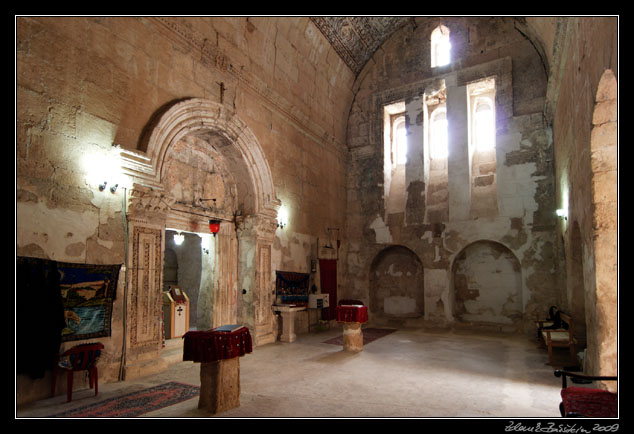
[352,313]
[219,354]
[352,316]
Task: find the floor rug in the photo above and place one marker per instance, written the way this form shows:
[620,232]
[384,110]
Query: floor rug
[136,403]
[369,334]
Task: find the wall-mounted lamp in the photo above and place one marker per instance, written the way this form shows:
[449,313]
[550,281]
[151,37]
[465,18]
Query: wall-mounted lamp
[562,213]
[103,186]
[282,218]
[179,238]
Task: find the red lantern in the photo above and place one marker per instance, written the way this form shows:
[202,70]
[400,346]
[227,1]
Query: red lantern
[214,226]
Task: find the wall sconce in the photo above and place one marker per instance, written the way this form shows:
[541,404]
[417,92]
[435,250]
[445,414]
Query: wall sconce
[562,213]
[282,218]
[103,186]
[179,238]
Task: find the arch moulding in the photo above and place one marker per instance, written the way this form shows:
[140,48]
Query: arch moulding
[151,208]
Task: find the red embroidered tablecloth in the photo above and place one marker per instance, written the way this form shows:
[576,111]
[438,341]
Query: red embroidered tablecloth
[211,346]
[352,313]
[590,402]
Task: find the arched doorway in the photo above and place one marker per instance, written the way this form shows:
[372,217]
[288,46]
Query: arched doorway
[396,284]
[487,284]
[203,163]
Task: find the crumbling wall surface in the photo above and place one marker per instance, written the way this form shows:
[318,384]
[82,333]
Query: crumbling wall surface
[522,220]
[86,83]
[586,143]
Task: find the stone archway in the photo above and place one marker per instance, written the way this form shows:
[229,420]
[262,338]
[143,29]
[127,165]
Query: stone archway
[487,284]
[199,151]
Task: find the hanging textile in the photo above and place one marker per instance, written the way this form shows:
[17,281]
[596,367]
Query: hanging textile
[39,316]
[328,277]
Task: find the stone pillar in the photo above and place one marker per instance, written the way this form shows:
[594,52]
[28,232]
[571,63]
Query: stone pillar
[352,337]
[219,385]
[415,166]
[147,210]
[256,235]
[288,326]
[459,160]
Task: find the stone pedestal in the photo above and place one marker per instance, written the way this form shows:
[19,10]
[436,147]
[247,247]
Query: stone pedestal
[219,385]
[352,337]
[288,321]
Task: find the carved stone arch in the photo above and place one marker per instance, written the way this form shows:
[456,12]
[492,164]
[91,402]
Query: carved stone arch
[201,116]
[240,290]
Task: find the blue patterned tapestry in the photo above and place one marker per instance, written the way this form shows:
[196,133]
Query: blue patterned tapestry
[88,292]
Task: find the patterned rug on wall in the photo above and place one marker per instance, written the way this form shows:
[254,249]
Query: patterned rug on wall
[136,403]
[369,334]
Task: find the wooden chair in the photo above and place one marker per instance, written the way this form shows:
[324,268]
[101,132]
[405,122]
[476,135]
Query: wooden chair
[560,337]
[586,401]
[79,358]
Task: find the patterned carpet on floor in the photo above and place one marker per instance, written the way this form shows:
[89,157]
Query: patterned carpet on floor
[369,334]
[136,403]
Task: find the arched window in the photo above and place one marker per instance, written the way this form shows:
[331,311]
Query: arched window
[400,140]
[484,125]
[438,133]
[440,46]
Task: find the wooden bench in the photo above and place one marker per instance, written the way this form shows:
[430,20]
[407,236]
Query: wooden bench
[560,337]
[586,401]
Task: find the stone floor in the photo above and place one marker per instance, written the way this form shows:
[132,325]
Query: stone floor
[411,373]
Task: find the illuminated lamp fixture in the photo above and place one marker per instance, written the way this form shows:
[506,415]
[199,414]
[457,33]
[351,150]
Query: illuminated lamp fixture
[282,218]
[214,226]
[562,213]
[179,238]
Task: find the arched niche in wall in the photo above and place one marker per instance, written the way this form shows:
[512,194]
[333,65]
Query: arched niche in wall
[396,284]
[487,284]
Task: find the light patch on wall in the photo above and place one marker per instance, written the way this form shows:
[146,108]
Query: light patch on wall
[52,226]
[382,232]
[104,167]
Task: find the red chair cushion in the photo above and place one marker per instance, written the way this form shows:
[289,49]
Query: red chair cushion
[589,402]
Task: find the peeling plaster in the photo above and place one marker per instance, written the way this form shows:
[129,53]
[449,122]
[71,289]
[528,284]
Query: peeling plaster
[382,232]
[54,225]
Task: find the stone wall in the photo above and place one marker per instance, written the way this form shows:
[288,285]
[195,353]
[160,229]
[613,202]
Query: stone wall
[85,84]
[441,218]
[585,145]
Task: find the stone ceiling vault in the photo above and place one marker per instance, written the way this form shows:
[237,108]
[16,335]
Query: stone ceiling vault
[356,39]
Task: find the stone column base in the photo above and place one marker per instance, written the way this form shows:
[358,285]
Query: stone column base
[219,385]
[352,336]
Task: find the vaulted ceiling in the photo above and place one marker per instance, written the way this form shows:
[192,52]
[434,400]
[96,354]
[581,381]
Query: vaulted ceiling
[356,39]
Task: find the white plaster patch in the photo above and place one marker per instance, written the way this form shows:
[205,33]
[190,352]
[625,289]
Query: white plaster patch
[391,271]
[383,235]
[53,225]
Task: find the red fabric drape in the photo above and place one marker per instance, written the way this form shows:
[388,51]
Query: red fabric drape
[211,346]
[352,314]
[328,277]
[590,402]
